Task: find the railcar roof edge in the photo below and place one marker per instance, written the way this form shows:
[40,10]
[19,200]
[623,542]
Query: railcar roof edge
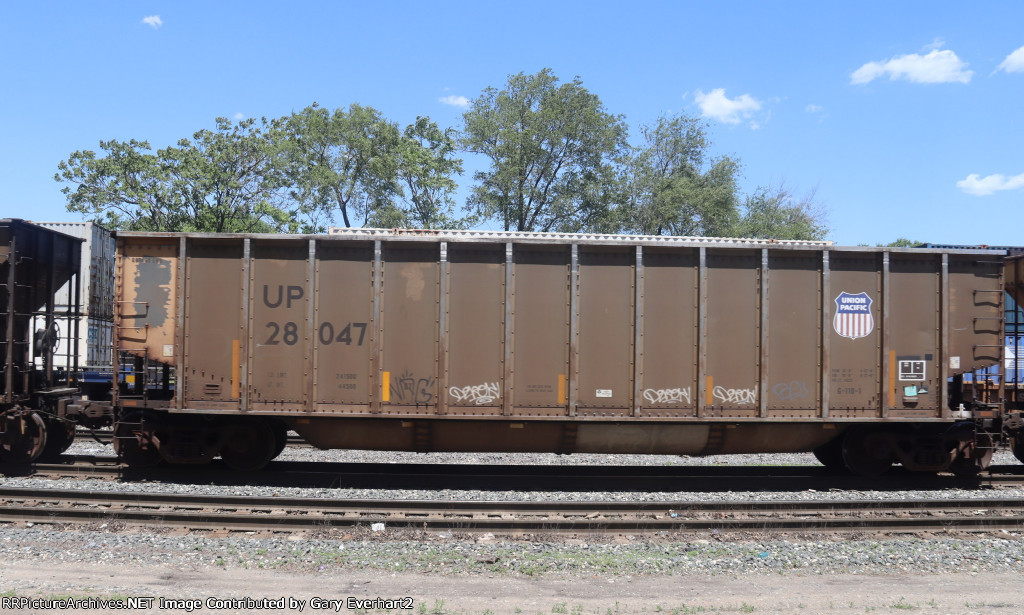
[36,227]
[415,235]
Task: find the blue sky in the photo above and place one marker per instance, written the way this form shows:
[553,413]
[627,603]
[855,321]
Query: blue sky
[905,118]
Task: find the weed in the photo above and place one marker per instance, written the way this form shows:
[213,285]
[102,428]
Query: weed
[902,604]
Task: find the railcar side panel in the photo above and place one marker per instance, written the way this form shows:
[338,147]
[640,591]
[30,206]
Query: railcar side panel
[215,337]
[605,317]
[279,327]
[532,330]
[541,330]
[914,352]
[475,330]
[410,329]
[146,303]
[856,364]
[733,330]
[792,387]
[670,333]
[345,328]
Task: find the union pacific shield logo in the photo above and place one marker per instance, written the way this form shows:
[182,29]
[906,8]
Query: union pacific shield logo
[853,315]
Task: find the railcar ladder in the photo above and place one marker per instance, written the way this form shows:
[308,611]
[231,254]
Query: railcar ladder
[989,400]
[1013,277]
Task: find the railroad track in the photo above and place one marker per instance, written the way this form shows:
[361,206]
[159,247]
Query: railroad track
[522,477]
[242,513]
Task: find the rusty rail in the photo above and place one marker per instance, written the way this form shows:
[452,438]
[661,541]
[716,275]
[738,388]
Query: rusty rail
[242,513]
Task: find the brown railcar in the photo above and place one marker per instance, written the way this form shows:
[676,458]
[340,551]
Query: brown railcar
[489,341]
[35,264]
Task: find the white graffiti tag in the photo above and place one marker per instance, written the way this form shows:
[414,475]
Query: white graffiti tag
[740,397]
[478,394]
[667,396]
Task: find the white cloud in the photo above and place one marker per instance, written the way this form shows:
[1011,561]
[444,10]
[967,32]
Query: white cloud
[934,67]
[455,101]
[812,108]
[153,21]
[716,105]
[1014,63]
[239,116]
[984,186]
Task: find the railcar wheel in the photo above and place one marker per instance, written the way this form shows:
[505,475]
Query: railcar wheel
[22,436]
[135,440]
[866,452]
[1017,446]
[60,435]
[280,437]
[248,445]
[830,454]
[973,456]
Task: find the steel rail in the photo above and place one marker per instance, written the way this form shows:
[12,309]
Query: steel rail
[533,507]
[280,514]
[591,478]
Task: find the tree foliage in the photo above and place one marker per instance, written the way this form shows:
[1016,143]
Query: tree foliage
[902,242]
[426,164]
[356,163]
[292,173]
[548,146]
[775,213]
[672,187]
[555,159]
[222,180]
[341,161]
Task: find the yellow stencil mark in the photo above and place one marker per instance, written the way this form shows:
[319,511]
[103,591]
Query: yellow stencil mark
[561,389]
[385,386]
[709,385]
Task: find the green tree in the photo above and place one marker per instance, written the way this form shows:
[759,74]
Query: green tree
[548,144]
[223,180]
[774,213]
[426,165]
[902,242]
[672,187]
[343,161]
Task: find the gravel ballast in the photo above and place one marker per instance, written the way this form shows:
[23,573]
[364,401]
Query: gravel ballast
[611,565]
[443,552]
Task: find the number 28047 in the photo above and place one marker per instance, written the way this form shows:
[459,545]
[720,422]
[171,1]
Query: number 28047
[289,334]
